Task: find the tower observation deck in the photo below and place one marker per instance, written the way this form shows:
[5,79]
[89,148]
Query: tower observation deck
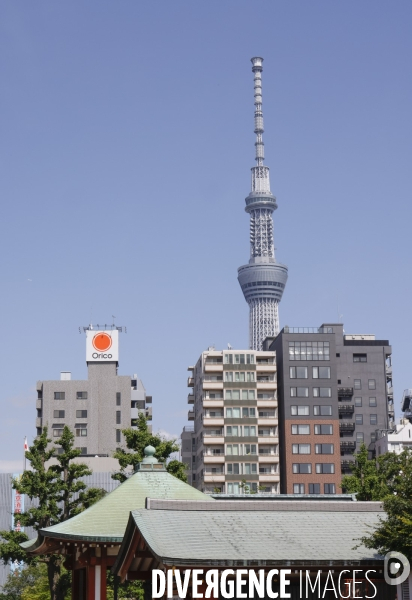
[263,279]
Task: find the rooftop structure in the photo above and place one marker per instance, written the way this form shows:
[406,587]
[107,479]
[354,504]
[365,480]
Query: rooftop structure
[395,440]
[263,279]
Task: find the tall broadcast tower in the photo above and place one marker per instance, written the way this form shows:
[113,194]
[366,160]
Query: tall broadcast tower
[263,279]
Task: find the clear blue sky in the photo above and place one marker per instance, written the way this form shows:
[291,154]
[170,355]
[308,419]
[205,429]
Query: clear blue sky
[126,143]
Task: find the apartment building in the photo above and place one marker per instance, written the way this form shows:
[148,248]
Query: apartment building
[334,391]
[98,408]
[232,446]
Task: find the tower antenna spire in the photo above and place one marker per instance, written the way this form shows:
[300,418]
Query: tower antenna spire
[263,279]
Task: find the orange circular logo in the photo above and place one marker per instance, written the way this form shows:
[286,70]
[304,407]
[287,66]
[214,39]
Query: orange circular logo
[102,341]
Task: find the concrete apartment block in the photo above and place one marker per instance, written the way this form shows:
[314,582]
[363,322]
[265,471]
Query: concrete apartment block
[232,446]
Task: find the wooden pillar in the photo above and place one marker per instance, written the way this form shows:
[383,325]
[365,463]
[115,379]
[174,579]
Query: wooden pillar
[79,584]
[103,575]
[91,582]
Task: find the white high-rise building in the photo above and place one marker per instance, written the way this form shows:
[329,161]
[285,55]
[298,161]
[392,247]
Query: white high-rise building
[233,444]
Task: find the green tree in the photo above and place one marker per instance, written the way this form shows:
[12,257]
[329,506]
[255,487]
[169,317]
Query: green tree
[368,478]
[137,440]
[128,590]
[394,533]
[60,494]
[30,583]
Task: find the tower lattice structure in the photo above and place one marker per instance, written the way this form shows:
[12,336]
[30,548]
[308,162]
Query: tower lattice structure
[263,279]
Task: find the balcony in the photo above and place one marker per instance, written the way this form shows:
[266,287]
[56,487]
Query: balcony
[39,403]
[214,470]
[346,465]
[190,398]
[191,415]
[190,381]
[213,458]
[346,408]
[213,367]
[265,378]
[38,422]
[346,427]
[345,392]
[347,446]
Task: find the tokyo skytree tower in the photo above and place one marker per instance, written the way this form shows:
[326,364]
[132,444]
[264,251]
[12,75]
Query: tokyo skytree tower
[263,279]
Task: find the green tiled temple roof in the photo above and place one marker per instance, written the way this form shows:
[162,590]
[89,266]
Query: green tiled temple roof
[106,520]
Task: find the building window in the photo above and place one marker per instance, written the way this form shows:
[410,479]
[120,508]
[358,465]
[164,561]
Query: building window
[323,429]
[358,401]
[372,401]
[57,432]
[118,399]
[232,469]
[233,413]
[118,435]
[314,488]
[249,431]
[329,488]
[299,411]
[323,448]
[321,372]
[322,468]
[373,437]
[359,358]
[298,488]
[322,392]
[299,392]
[359,436]
[118,417]
[302,468]
[374,419]
[81,395]
[59,395]
[323,411]
[249,449]
[232,430]
[298,372]
[338,355]
[300,448]
[359,419]
[268,414]
[81,432]
[81,414]
[300,429]
[83,451]
[309,350]
[58,414]
[232,449]
[249,412]
[371,384]
[250,469]
[357,384]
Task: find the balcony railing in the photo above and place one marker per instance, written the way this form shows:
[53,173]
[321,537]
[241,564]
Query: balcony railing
[190,381]
[191,415]
[190,398]
[213,432]
[347,426]
[346,408]
[287,329]
[347,446]
[345,392]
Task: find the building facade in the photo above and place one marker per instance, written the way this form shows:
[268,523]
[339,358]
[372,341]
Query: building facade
[263,280]
[233,444]
[334,392]
[98,408]
[395,440]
